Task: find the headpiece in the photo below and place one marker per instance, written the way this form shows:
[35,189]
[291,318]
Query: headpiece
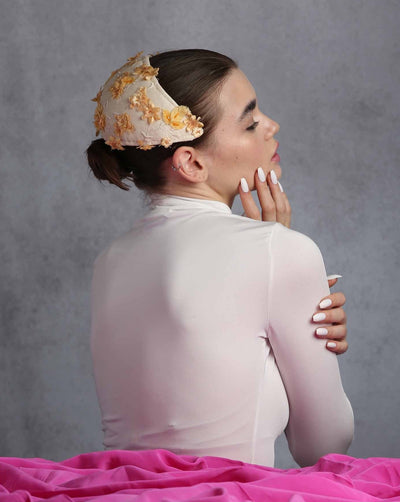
[133,109]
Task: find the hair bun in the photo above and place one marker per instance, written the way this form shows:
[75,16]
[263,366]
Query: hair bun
[106,165]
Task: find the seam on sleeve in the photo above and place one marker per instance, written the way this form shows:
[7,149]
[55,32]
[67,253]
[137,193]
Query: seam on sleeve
[271,260]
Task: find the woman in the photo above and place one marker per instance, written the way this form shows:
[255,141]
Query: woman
[202,337]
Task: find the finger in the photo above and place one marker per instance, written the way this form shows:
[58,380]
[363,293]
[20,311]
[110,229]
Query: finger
[286,215]
[337,347]
[250,207]
[336,333]
[267,203]
[288,208]
[335,316]
[283,210]
[333,276]
[333,300]
[332,282]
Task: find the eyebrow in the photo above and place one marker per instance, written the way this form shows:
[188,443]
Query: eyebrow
[249,107]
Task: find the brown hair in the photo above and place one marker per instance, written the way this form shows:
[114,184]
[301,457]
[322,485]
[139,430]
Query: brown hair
[192,77]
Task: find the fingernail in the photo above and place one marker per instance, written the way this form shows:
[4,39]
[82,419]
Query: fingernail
[261,174]
[334,276]
[244,185]
[332,345]
[319,317]
[280,186]
[325,303]
[273,177]
[321,331]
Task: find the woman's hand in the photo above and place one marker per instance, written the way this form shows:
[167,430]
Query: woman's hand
[331,307]
[275,207]
[273,200]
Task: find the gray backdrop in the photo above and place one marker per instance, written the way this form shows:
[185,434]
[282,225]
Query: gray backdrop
[326,70]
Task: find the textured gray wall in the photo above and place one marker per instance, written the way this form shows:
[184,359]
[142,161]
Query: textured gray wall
[326,70]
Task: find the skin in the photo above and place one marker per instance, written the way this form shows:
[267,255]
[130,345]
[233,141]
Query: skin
[243,141]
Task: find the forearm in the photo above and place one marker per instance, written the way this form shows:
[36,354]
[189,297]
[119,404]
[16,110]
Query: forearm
[329,431]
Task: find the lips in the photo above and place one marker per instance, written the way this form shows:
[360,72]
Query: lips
[275,157]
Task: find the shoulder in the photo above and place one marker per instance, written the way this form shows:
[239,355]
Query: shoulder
[295,254]
[294,242]
[279,237]
[112,251]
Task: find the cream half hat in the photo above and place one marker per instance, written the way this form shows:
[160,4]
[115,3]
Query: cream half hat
[133,109]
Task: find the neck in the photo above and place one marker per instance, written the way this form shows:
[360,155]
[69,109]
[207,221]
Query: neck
[197,191]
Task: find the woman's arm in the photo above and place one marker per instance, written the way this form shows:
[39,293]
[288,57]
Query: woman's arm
[321,417]
[275,206]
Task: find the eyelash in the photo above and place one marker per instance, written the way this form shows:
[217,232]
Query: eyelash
[252,127]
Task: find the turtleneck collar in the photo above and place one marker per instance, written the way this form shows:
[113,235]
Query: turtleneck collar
[176,202]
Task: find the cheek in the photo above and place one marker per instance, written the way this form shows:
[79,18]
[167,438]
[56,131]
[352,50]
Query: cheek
[238,151]
[230,151]
[248,151]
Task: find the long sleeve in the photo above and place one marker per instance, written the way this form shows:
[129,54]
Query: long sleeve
[321,418]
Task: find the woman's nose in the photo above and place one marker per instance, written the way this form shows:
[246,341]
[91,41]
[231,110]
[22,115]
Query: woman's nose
[276,127]
[272,128]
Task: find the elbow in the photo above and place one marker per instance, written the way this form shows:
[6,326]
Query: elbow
[345,432]
[347,435]
[308,455]
[307,449]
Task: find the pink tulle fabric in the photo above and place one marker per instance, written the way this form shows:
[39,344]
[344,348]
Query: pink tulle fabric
[161,476]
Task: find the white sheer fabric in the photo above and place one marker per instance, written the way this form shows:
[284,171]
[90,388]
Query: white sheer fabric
[202,339]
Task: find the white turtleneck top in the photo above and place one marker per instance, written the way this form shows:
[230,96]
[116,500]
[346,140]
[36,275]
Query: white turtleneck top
[202,340]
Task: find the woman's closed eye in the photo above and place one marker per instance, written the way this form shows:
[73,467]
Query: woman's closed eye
[252,126]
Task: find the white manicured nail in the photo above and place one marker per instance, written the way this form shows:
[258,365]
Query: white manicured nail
[321,331]
[325,303]
[331,345]
[333,276]
[273,177]
[319,317]
[261,174]
[280,186]
[244,185]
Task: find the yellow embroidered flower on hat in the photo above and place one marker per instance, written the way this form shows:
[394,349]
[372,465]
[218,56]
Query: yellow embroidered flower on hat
[146,71]
[98,96]
[166,142]
[115,143]
[151,113]
[135,58]
[139,99]
[120,83]
[193,125]
[142,146]
[176,117]
[122,124]
[99,119]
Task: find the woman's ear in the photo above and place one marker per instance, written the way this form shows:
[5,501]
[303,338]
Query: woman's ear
[187,163]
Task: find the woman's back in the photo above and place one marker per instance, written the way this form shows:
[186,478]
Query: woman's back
[182,306]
